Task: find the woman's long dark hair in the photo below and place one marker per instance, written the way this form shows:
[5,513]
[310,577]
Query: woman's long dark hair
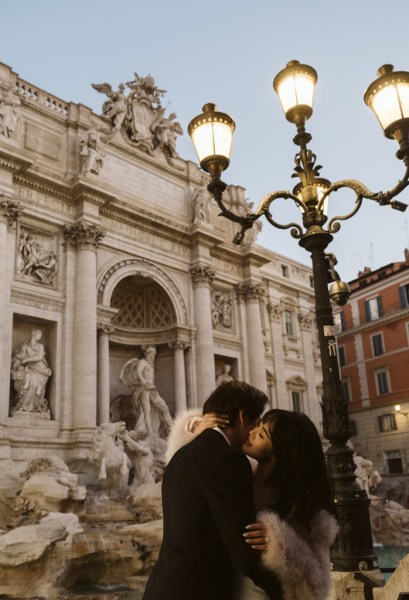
[299,474]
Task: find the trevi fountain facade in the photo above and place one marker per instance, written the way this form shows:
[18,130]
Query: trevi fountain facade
[122,299]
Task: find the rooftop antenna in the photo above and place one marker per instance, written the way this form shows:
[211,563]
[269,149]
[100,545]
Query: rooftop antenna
[371,256]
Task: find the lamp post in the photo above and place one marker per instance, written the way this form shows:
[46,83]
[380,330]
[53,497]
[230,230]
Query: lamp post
[211,132]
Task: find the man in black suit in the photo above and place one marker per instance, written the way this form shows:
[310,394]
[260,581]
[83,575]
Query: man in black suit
[207,495]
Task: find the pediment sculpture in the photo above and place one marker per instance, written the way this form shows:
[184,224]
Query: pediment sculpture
[141,116]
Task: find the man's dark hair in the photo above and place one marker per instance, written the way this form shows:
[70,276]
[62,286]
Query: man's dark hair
[233,396]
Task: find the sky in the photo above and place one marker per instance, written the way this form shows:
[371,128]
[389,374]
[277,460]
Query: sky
[228,52]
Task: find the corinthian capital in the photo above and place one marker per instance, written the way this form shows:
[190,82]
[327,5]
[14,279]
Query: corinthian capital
[202,274]
[83,235]
[250,291]
[9,211]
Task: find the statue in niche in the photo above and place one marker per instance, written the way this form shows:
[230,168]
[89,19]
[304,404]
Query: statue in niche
[201,205]
[30,373]
[151,410]
[221,311]
[35,261]
[224,376]
[114,108]
[142,116]
[8,113]
[91,151]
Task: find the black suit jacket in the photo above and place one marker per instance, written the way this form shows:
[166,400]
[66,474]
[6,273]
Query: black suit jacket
[207,496]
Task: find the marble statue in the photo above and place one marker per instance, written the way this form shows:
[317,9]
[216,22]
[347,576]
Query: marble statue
[141,116]
[366,477]
[224,376]
[251,234]
[8,113]
[91,151]
[200,206]
[221,311]
[30,373]
[153,413]
[109,454]
[114,108]
[35,261]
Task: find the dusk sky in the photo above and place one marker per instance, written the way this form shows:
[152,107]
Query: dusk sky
[228,52]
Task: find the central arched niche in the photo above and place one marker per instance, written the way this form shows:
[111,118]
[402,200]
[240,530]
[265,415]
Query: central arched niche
[146,316]
[142,304]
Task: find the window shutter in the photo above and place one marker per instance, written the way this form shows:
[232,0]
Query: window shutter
[367,311]
[379,301]
[402,297]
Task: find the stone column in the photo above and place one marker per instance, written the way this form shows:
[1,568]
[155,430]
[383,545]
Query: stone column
[275,313]
[103,383]
[252,294]
[86,239]
[202,276]
[180,375]
[9,212]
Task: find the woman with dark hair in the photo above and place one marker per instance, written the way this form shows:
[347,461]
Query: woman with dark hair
[292,493]
[296,525]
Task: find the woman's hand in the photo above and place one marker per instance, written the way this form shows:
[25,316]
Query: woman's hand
[210,420]
[256,536]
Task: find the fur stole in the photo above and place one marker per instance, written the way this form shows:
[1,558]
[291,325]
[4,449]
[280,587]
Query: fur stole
[180,435]
[302,563]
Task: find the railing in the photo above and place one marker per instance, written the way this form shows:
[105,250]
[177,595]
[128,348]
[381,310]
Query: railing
[388,311]
[32,94]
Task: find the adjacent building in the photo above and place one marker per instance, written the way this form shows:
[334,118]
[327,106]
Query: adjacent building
[110,244]
[373,348]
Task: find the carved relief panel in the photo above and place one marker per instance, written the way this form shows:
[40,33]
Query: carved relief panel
[222,310]
[36,257]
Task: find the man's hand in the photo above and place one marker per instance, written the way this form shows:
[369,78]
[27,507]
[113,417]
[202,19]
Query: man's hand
[210,420]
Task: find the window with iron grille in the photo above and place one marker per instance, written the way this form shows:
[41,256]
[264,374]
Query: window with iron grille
[387,422]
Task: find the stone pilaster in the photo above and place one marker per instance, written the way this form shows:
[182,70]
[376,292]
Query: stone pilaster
[252,293]
[202,276]
[103,382]
[9,213]
[180,375]
[85,239]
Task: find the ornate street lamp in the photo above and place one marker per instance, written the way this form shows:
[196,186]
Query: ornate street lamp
[388,97]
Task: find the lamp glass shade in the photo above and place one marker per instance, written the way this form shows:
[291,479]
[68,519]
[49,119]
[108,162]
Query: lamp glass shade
[295,88]
[388,97]
[391,104]
[212,138]
[212,135]
[314,192]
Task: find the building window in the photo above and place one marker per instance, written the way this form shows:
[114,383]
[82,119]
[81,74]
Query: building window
[289,322]
[339,321]
[284,271]
[377,344]
[393,459]
[353,428]
[404,295]
[373,308]
[296,399]
[387,422]
[311,281]
[382,382]
[342,356]
[346,390]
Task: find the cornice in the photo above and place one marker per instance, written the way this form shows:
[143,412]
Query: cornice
[389,318]
[16,161]
[28,298]
[44,186]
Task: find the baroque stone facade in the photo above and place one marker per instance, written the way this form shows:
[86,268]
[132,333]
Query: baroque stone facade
[110,244]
